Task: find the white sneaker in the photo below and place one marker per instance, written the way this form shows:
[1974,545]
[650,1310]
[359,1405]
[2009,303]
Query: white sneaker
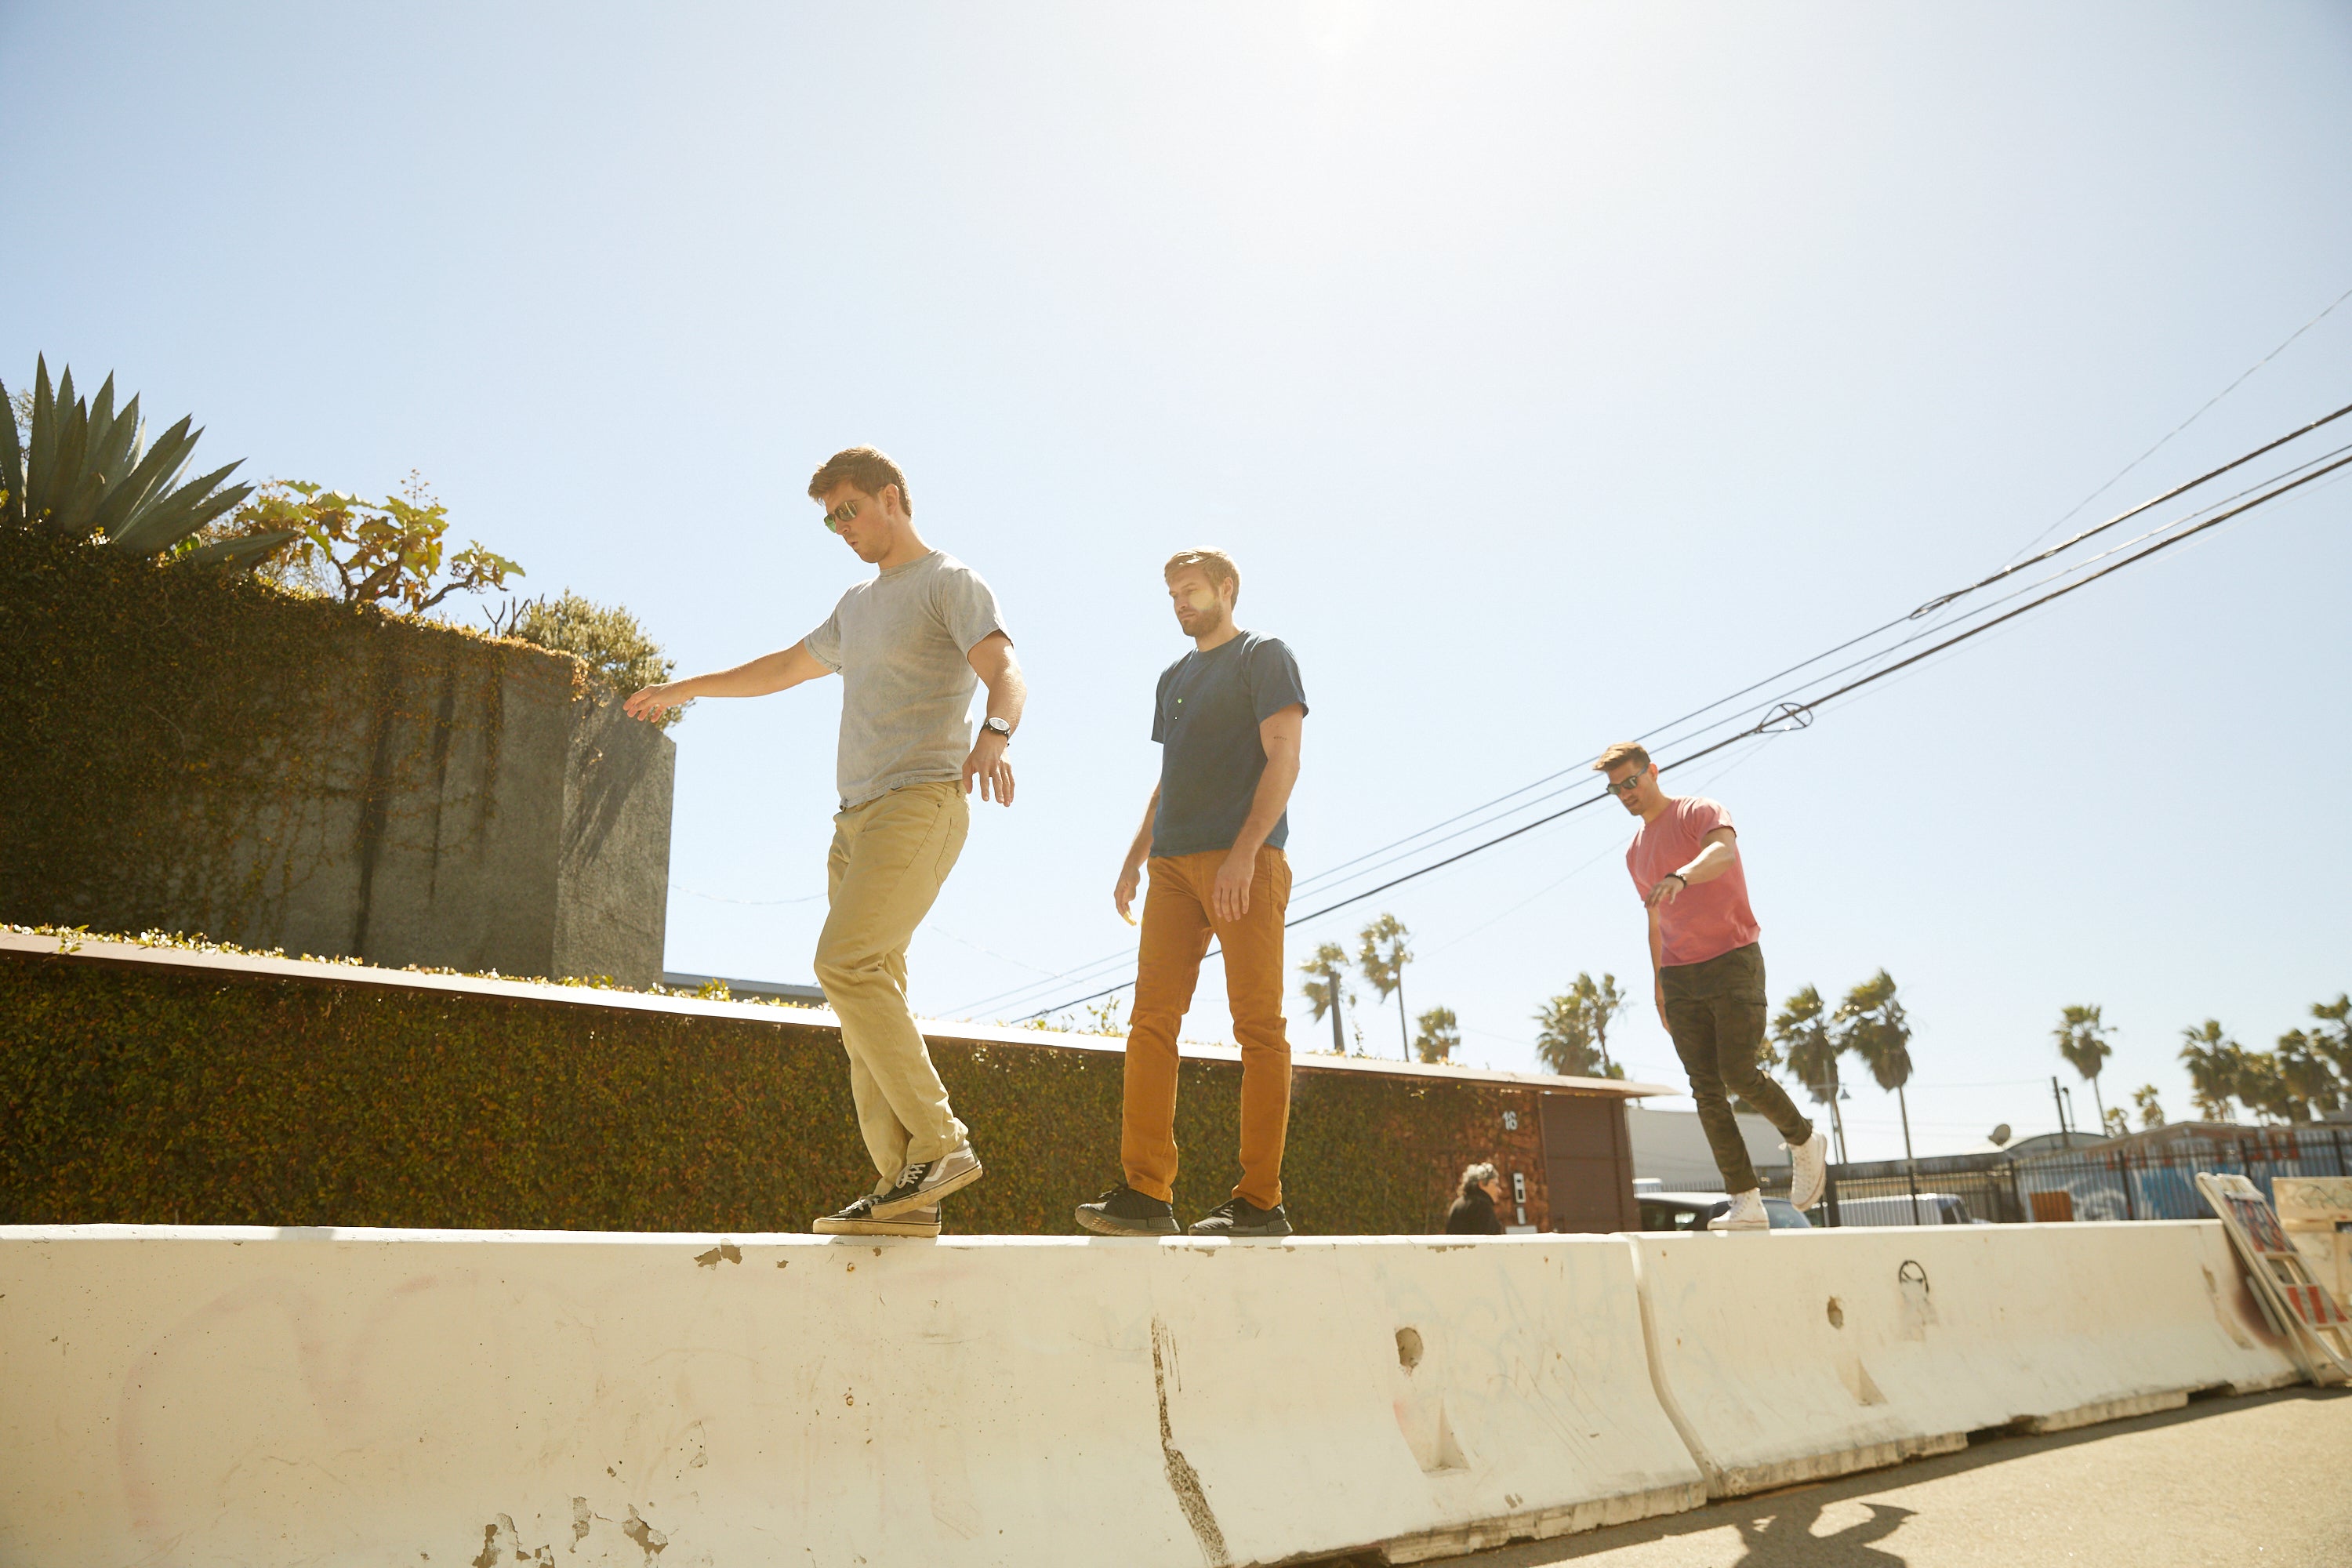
[1746,1213]
[1810,1168]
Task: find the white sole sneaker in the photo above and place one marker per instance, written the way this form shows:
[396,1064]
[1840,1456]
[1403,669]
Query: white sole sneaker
[1809,1164]
[914,1222]
[1746,1213]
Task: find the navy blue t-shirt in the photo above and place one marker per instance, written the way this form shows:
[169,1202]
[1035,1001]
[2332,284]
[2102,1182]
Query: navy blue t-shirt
[1205,719]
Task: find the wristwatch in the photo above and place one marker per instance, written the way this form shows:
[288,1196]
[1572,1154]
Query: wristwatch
[997,726]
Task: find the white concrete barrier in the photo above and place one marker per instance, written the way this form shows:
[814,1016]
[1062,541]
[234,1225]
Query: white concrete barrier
[1785,1356]
[448,1398]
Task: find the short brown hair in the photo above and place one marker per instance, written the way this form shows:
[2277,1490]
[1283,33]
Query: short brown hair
[865,467]
[1215,566]
[1632,752]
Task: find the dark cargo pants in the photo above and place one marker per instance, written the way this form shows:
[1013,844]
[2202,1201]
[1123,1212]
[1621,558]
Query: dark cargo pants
[1716,1012]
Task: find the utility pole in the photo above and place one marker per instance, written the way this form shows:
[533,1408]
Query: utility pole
[1837,1120]
[2066,1135]
[1910,1165]
[1405,1034]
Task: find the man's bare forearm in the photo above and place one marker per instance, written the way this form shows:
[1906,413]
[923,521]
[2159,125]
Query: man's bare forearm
[1139,850]
[1712,861]
[1008,691]
[1271,799]
[777,671]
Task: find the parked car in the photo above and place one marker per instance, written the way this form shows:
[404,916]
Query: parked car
[1692,1211]
[1935,1208]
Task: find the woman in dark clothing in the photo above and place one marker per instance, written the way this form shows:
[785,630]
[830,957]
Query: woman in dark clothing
[1473,1213]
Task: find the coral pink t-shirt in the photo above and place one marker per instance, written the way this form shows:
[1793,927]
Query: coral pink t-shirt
[1703,921]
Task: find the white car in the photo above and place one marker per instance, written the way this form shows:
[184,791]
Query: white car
[1692,1211]
[1895,1208]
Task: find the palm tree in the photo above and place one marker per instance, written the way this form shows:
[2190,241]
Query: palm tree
[2082,1040]
[1324,989]
[1801,1033]
[1872,1025]
[2307,1075]
[2211,1059]
[1440,1035]
[2331,1035]
[2151,1112]
[1566,1031]
[1603,1004]
[1382,959]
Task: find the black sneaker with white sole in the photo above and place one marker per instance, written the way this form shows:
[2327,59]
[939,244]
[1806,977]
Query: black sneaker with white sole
[1240,1217]
[859,1219]
[1123,1211]
[923,1184]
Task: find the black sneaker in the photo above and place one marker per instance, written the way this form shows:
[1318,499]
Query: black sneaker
[1240,1217]
[925,1183]
[1123,1211]
[859,1219]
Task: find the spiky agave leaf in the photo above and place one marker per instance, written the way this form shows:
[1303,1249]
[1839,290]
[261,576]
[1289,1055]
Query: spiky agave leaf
[76,511]
[243,551]
[168,518]
[153,476]
[12,463]
[83,472]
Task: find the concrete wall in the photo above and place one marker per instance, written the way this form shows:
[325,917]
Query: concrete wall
[409,795]
[480,814]
[455,1398]
[446,1397]
[1786,1357]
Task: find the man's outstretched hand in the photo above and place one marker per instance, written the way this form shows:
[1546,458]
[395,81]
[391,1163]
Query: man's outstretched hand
[987,766]
[650,702]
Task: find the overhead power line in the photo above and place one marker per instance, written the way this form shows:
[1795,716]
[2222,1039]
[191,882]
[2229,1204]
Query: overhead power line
[1793,714]
[2243,376]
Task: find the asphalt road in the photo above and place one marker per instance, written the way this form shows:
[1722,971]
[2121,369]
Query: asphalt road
[2265,1479]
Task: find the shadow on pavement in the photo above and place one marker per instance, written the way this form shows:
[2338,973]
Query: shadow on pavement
[1776,1528]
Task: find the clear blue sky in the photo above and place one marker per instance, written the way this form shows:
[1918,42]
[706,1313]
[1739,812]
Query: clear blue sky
[1549,369]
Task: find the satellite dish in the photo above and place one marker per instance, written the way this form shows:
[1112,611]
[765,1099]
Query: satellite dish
[1998,1136]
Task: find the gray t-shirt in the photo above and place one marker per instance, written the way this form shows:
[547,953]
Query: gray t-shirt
[899,642]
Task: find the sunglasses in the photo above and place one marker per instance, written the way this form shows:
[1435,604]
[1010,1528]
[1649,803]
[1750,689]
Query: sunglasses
[1623,788]
[845,512]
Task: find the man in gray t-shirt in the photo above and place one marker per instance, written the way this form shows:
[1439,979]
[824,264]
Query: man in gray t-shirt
[910,646]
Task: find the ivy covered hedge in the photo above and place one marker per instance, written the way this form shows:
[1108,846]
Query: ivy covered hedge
[138,1093]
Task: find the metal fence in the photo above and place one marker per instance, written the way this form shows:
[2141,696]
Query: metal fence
[2146,1181]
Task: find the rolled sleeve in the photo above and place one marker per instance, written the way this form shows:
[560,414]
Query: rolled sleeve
[1274,680]
[825,642]
[966,606]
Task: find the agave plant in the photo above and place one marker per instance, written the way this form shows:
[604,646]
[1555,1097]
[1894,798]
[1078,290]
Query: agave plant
[87,473]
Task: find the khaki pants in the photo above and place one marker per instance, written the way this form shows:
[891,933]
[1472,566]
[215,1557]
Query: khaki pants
[1715,1013]
[891,856]
[1177,926]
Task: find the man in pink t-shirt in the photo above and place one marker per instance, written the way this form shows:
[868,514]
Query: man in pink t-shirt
[1710,984]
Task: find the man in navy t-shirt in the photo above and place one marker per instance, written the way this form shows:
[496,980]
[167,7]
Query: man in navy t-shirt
[1228,719]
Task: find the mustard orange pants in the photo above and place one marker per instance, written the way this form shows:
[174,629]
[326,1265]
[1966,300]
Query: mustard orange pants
[1177,926]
